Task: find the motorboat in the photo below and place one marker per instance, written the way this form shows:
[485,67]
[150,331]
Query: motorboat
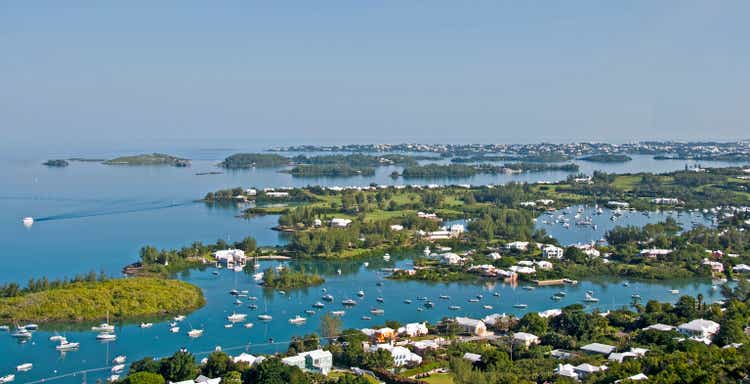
[386,257]
[236,317]
[195,333]
[349,302]
[473,300]
[445,297]
[488,307]
[674,291]
[520,306]
[113,378]
[24,367]
[407,301]
[31,327]
[429,304]
[258,276]
[147,325]
[265,317]
[56,338]
[249,325]
[179,318]
[253,306]
[338,313]
[118,368]
[106,336]
[361,293]
[318,305]
[7,378]
[28,221]
[310,312]
[454,307]
[21,333]
[119,359]
[328,297]
[377,311]
[230,325]
[297,320]
[366,318]
[590,298]
[103,327]
[4,328]
[174,329]
[234,292]
[496,294]
[528,288]
[65,345]
[380,300]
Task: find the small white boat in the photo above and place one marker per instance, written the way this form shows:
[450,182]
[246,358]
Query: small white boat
[349,302]
[118,368]
[366,264]
[67,346]
[528,288]
[21,333]
[338,313]
[590,299]
[328,297]
[407,301]
[179,318]
[318,305]
[31,327]
[296,320]
[174,329]
[236,317]
[4,328]
[445,297]
[147,325]
[252,298]
[56,338]
[258,276]
[24,367]
[28,221]
[119,359]
[265,317]
[238,268]
[106,336]
[7,378]
[473,300]
[338,271]
[103,327]
[230,325]
[487,307]
[279,268]
[387,257]
[113,378]
[496,294]
[195,333]
[377,311]
[249,325]
[310,312]
[520,306]
[366,318]
[674,291]
[380,300]
[361,293]
[215,273]
[454,307]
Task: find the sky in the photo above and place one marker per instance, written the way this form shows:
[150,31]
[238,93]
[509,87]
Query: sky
[91,73]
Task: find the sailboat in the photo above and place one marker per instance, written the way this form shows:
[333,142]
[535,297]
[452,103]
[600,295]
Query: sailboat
[104,327]
[236,317]
[297,320]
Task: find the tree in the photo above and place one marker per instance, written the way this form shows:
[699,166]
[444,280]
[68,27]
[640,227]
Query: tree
[217,365]
[232,377]
[147,364]
[144,378]
[181,366]
[330,326]
[533,323]
[381,358]
[269,371]
[248,244]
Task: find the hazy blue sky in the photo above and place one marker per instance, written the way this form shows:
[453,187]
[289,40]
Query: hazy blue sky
[385,71]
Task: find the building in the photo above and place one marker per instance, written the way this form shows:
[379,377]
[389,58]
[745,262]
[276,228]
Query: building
[526,339]
[451,258]
[603,349]
[384,334]
[637,377]
[199,380]
[340,223]
[666,201]
[699,330]
[230,257]
[550,313]
[589,249]
[741,268]
[247,358]
[473,357]
[457,229]
[634,353]
[552,252]
[586,369]
[317,361]
[655,253]
[471,326]
[544,264]
[277,195]
[659,327]
[397,227]
[401,356]
[618,204]
[413,329]
[518,245]
[716,267]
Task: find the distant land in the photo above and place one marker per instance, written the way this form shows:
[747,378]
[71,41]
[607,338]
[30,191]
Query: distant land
[56,163]
[607,158]
[149,159]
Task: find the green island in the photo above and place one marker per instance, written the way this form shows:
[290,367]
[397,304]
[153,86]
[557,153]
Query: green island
[149,159]
[544,157]
[329,170]
[290,279]
[88,300]
[729,157]
[462,170]
[252,160]
[607,158]
[56,163]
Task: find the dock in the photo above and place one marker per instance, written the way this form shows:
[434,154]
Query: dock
[555,282]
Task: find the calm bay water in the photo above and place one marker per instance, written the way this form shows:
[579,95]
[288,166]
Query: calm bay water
[96,217]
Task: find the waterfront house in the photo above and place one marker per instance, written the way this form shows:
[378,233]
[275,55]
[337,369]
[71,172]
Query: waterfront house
[659,327]
[526,339]
[550,251]
[451,259]
[716,267]
[471,326]
[423,346]
[527,204]
[589,249]
[599,348]
[494,318]
[413,329]
[230,257]
[699,330]
[544,264]
[384,334]
[522,270]
[340,223]
[317,361]
[247,358]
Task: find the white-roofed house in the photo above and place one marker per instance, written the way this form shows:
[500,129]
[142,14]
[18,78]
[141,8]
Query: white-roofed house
[230,257]
[550,251]
[526,339]
[699,330]
[473,357]
[340,223]
[518,245]
[659,327]
[471,326]
[318,361]
[401,356]
[603,349]
[413,329]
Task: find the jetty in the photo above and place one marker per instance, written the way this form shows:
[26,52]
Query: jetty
[555,282]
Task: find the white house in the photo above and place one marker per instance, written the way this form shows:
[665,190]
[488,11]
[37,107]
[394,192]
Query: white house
[277,195]
[318,361]
[699,329]
[550,313]
[397,227]
[715,266]
[618,204]
[741,268]
[340,223]
[413,329]
[603,349]
[495,256]
[247,358]
[654,253]
[636,377]
[401,356]
[522,270]
[518,245]
[526,339]
[578,371]
[544,264]
[659,327]
[666,201]
[199,380]
[552,252]
[230,256]
[457,229]
[634,353]
[473,357]
[471,326]
[451,258]
[589,249]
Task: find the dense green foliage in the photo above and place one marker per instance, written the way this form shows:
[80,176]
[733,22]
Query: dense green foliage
[288,279]
[149,159]
[89,301]
[250,160]
[607,158]
[170,260]
[330,170]
[462,170]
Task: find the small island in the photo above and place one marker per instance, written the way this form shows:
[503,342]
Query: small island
[82,301]
[607,158]
[253,160]
[288,279]
[56,163]
[149,159]
[341,170]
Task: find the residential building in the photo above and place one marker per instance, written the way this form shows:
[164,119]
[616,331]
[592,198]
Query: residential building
[472,326]
[473,357]
[317,361]
[401,356]
[603,349]
[654,253]
[552,252]
[518,245]
[526,339]
[340,223]
[699,329]
[413,329]
[659,327]
[230,257]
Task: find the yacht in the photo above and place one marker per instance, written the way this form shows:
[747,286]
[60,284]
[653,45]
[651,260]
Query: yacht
[106,336]
[429,304]
[31,327]
[265,317]
[179,318]
[338,313]
[674,291]
[249,325]
[174,329]
[67,346]
[230,325]
[195,333]
[258,276]
[147,325]
[520,306]
[488,307]
[454,307]
[496,294]
[328,297]
[113,378]
[387,257]
[56,338]
[318,305]
[445,297]
[7,378]
[473,300]
[253,306]
[297,320]
[28,221]
[4,328]
[119,359]
[407,301]
[21,333]
[236,317]
[349,302]
[377,311]
[366,318]
[118,368]
[103,327]
[234,292]
[215,273]
[310,312]
[590,298]
[24,367]
[528,288]
[361,293]
[380,300]
[636,296]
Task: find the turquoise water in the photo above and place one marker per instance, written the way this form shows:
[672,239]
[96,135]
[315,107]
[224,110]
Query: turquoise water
[96,217]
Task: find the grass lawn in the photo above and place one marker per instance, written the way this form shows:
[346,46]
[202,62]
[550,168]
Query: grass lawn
[439,378]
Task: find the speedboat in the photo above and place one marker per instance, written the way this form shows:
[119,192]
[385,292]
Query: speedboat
[377,311]
[520,306]
[119,359]
[103,327]
[496,294]
[56,338]
[24,367]
[380,300]
[253,306]
[258,276]
[387,257]
[674,291]
[310,312]
[366,318]
[487,307]
[113,378]
[28,221]
[361,293]
[429,304]
[7,378]
[473,300]
[31,327]
[445,297]
[328,297]
[118,368]
[106,336]
[318,305]
[265,317]
[407,301]
[174,329]
[338,313]
[297,320]
[590,299]
[147,325]
[230,325]
[454,307]
[195,333]
[236,317]
[67,346]
[248,325]
[21,333]
[179,318]
[349,302]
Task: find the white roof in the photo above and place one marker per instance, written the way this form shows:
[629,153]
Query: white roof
[523,336]
[588,368]
[700,325]
[550,313]
[469,321]
[659,327]
[472,357]
[599,348]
